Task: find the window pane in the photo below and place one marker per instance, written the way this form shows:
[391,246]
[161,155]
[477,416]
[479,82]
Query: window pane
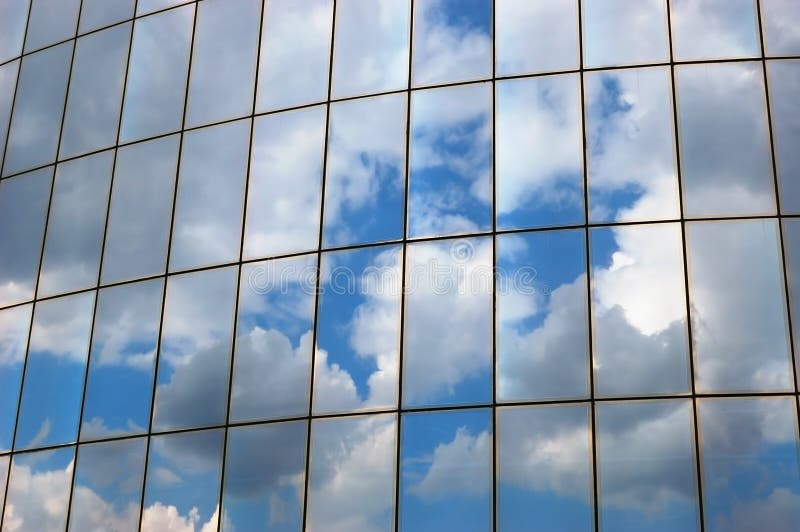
[791,249]
[714,29]
[784,85]
[156,83]
[542,344]
[4,460]
[446,480]
[14,324]
[8,81]
[739,325]
[13,17]
[631,145]
[283,201]
[620,32]
[544,480]
[192,383]
[141,206]
[274,339]
[781,19]
[77,221]
[451,161]
[148,6]
[352,473]
[208,210]
[99,13]
[53,386]
[365,182]
[51,21]
[725,156]
[448,323]
[640,347]
[120,380]
[294,34]
[264,491]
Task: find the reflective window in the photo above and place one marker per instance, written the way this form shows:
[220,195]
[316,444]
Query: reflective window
[76,224]
[446,475]
[365,180]
[620,32]
[4,462]
[49,410]
[192,382]
[119,385]
[544,481]
[14,325]
[448,322]
[13,18]
[99,13]
[352,473]
[714,29]
[208,209]
[51,21]
[274,338]
[739,325]
[8,82]
[450,189]
[283,200]
[784,85]
[725,156]
[791,249]
[781,19]
[148,6]
[542,343]
[539,162]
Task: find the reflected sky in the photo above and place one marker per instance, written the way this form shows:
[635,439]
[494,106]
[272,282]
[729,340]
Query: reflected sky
[8,81]
[784,85]
[13,17]
[99,13]
[781,29]
[791,249]
[14,325]
[714,29]
[620,32]
[51,21]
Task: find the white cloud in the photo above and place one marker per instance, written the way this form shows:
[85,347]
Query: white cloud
[462,465]
[160,518]
[14,324]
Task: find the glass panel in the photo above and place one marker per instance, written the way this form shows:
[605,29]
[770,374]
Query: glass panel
[544,480]
[751,474]
[640,347]
[51,21]
[49,411]
[13,18]
[108,486]
[283,201]
[192,383]
[784,86]
[781,20]
[371,48]
[141,206]
[646,466]
[183,476]
[451,161]
[358,330]
[208,210]
[223,61]
[14,325]
[274,338]
[526,40]
[75,228]
[99,13]
[156,83]
[620,32]
[448,323]
[95,91]
[23,210]
[264,491]
[739,325]
[352,482]
[33,135]
[8,81]
[446,477]
[148,6]
[725,156]
[631,145]
[365,182]
[120,380]
[452,41]
[542,338]
[539,162]
[4,473]
[791,249]
[294,34]
[714,29]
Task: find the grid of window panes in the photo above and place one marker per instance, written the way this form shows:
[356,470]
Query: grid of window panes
[367,265]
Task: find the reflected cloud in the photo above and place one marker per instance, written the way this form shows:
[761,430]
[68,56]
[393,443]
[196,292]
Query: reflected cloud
[14,325]
[711,29]
[784,85]
[620,32]
[781,20]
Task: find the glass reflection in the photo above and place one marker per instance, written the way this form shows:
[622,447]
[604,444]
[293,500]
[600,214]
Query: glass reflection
[141,206]
[780,19]
[791,249]
[49,410]
[8,82]
[108,486]
[283,200]
[13,18]
[99,13]
[539,162]
[352,473]
[365,181]
[4,460]
[446,475]
[739,324]
[51,21]
[148,6]
[156,85]
[274,338]
[76,224]
[544,480]
[208,209]
[784,85]
[264,491]
[14,324]
[294,34]
[194,360]
[450,189]
[542,344]
[620,32]
[120,380]
[725,156]
[639,347]
[714,29]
